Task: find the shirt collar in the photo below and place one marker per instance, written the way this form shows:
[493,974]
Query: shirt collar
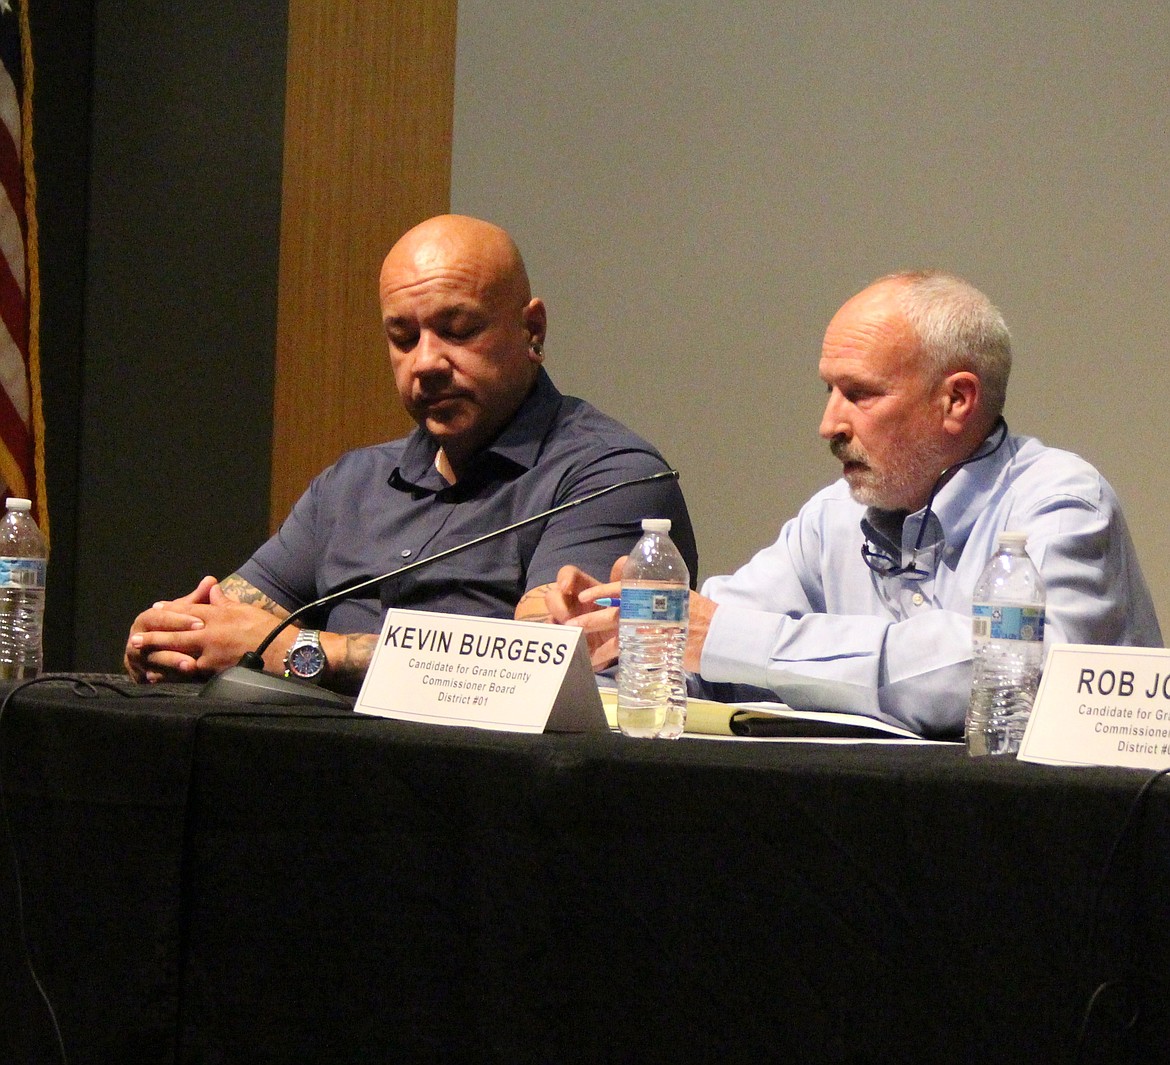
[966,496]
[518,443]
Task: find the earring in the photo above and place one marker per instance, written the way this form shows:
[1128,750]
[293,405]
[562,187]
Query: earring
[537,348]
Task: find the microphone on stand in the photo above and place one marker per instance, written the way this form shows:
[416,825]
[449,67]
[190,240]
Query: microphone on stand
[248,683]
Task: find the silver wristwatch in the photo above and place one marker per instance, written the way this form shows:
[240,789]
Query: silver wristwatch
[305,659]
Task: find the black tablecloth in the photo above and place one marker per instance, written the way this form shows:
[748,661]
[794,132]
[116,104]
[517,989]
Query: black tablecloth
[202,884]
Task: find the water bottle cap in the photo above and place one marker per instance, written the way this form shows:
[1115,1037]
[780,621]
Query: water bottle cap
[16,503]
[1012,539]
[661,525]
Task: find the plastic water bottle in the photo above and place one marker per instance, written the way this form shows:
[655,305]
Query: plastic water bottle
[1007,619]
[22,592]
[652,633]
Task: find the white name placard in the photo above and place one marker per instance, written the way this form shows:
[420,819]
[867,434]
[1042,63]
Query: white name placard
[449,669]
[1101,706]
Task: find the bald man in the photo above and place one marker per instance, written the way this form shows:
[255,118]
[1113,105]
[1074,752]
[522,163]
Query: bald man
[864,602]
[495,443]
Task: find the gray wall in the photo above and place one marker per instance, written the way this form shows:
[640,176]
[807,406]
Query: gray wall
[697,187]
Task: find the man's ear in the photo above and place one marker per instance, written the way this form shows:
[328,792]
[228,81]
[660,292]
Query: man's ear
[961,398]
[535,319]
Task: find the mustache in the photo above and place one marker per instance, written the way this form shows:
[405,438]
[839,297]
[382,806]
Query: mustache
[437,395]
[844,451]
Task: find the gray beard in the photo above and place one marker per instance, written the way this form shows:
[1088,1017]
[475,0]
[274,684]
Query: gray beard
[902,484]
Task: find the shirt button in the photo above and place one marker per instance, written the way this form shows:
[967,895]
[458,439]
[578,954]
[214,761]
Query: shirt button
[406,552]
[917,599]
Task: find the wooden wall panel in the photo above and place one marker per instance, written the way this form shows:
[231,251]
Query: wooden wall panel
[367,154]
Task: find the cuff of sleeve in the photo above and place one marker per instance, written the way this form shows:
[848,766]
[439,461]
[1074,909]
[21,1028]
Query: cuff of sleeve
[739,645]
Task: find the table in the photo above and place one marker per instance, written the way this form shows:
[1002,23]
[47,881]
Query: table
[208,883]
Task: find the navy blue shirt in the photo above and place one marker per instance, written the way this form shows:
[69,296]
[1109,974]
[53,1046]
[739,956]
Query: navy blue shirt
[380,508]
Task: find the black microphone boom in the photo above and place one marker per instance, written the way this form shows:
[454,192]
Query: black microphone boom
[246,682]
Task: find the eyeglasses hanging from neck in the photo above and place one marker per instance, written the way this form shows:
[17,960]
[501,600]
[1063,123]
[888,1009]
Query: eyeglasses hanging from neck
[881,562]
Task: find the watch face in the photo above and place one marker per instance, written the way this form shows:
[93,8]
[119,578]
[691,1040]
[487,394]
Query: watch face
[306,661]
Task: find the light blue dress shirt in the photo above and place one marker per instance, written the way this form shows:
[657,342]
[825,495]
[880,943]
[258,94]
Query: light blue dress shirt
[807,619]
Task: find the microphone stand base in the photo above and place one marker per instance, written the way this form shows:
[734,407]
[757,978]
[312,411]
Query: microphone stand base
[238,684]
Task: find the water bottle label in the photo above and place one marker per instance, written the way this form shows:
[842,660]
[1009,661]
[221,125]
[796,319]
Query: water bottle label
[655,604]
[996,622]
[22,572]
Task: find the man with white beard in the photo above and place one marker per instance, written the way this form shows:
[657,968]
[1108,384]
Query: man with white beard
[863,604]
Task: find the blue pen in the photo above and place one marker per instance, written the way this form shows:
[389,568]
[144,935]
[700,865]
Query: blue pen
[608,600]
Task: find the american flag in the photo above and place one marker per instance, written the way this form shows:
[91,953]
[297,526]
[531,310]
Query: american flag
[21,417]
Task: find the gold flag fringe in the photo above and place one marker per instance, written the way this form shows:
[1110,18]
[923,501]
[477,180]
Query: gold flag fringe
[37,411]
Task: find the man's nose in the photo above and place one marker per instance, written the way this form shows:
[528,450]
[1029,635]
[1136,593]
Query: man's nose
[430,355]
[834,422]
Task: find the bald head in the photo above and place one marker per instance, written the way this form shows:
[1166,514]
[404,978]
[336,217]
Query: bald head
[482,254]
[466,337]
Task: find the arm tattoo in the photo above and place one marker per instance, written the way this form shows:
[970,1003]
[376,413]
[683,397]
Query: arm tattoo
[235,587]
[359,649]
[348,674]
[531,603]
